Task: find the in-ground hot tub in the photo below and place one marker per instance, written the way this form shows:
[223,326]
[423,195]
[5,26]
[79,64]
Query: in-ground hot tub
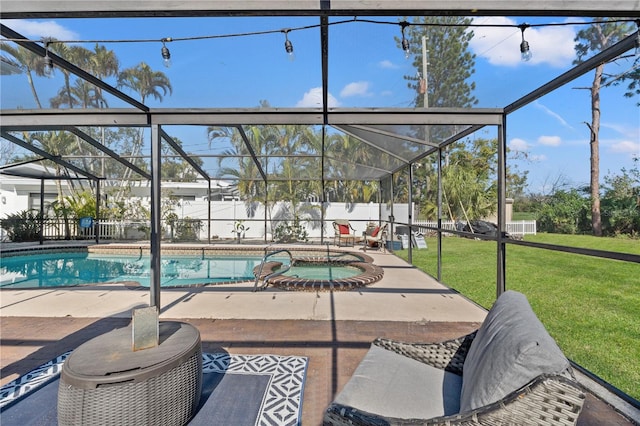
[340,274]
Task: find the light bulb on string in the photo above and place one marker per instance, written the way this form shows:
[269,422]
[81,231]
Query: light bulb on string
[166,55]
[405,42]
[288,46]
[48,62]
[525,52]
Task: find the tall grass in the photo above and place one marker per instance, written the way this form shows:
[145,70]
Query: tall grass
[591,306]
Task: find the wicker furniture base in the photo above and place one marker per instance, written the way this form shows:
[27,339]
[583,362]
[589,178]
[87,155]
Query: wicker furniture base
[103,382]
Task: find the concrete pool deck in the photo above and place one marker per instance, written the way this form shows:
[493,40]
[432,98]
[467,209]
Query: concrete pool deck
[333,329]
[404,294]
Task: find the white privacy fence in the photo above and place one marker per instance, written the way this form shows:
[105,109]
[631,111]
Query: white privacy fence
[193,223]
[520,227]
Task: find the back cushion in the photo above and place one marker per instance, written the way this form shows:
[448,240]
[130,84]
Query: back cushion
[375,231]
[511,348]
[344,229]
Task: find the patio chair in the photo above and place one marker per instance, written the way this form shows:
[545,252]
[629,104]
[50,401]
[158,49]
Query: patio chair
[377,238]
[510,371]
[344,234]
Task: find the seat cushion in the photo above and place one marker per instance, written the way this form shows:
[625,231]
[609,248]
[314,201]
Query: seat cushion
[344,229]
[511,348]
[391,385]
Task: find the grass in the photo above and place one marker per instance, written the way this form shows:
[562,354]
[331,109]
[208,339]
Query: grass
[591,306]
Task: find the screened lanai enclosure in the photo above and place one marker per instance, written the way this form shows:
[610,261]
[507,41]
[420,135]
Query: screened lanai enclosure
[272,119]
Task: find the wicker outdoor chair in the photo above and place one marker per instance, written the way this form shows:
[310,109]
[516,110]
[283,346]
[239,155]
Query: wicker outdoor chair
[547,399]
[377,238]
[344,234]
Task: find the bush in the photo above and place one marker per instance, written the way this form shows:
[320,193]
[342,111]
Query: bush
[23,226]
[288,232]
[564,212]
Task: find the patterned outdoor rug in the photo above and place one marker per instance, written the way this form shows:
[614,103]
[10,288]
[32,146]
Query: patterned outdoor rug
[237,390]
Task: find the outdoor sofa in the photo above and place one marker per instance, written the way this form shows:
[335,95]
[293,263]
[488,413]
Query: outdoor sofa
[508,372]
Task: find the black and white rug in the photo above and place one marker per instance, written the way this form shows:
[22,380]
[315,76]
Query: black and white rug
[237,390]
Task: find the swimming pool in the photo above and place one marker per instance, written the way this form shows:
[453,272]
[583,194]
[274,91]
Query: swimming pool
[47,269]
[75,268]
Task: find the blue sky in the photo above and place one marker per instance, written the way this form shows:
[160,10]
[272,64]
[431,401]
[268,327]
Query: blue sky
[366,69]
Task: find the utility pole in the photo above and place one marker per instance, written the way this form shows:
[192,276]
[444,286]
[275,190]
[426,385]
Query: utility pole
[424,83]
[425,62]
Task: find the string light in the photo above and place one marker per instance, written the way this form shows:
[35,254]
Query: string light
[288,46]
[405,42]
[166,55]
[525,53]
[48,62]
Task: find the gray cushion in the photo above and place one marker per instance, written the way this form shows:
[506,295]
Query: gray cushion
[391,385]
[511,348]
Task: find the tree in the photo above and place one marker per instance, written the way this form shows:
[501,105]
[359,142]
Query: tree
[449,63]
[29,63]
[449,66]
[147,83]
[621,202]
[176,168]
[565,211]
[593,39]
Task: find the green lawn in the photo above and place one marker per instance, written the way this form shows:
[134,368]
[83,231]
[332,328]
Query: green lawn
[591,306]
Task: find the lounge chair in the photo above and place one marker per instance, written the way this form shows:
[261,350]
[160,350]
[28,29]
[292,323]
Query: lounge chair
[508,372]
[344,234]
[376,238]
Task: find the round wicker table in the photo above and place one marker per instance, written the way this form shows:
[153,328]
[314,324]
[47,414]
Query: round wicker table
[104,382]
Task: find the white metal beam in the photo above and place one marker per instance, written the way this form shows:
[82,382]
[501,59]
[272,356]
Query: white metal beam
[114,117]
[11,9]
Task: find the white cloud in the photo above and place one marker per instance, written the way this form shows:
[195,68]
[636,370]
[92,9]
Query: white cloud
[627,131]
[357,88]
[386,93]
[550,140]
[538,158]
[553,114]
[313,98]
[552,46]
[39,30]
[387,64]
[519,145]
[626,147]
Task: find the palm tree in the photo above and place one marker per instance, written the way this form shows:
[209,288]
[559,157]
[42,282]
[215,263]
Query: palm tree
[103,63]
[57,143]
[76,55]
[81,94]
[147,83]
[29,63]
[347,153]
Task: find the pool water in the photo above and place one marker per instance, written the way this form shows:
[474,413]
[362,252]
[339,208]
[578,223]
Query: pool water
[71,269]
[323,272]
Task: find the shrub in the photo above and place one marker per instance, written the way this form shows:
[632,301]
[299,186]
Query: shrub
[289,232]
[23,226]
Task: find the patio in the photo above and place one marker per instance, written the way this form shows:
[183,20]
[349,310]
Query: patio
[333,329]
